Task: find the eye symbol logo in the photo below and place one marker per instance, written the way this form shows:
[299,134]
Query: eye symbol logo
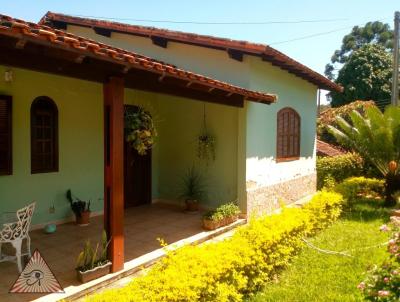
[34,276]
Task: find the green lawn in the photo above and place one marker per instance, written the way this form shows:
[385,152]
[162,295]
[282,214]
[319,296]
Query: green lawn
[314,276]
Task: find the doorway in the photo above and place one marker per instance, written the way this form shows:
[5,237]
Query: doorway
[137,174]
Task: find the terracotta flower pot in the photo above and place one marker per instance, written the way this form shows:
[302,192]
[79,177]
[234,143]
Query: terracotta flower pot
[231,219]
[83,219]
[95,273]
[210,225]
[192,205]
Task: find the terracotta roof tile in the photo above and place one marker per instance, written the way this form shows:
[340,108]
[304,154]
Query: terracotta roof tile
[35,32]
[325,149]
[264,51]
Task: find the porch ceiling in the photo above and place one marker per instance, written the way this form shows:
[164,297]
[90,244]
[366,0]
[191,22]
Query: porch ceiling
[41,48]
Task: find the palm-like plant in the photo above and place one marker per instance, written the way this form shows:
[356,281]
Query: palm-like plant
[376,137]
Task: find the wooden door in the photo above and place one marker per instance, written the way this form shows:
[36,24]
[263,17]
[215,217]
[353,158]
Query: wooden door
[137,176]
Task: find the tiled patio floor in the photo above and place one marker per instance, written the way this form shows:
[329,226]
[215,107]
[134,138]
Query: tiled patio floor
[143,225]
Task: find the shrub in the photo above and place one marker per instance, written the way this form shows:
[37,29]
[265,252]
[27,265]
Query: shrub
[233,268]
[338,168]
[353,187]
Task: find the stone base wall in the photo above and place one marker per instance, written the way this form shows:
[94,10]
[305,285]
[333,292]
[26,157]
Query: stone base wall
[264,200]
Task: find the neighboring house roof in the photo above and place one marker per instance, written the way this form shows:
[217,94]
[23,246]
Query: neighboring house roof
[325,149]
[235,48]
[27,31]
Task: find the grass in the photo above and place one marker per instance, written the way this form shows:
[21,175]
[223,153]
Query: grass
[315,276]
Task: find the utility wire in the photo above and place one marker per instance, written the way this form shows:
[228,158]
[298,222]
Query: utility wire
[316,35]
[215,22]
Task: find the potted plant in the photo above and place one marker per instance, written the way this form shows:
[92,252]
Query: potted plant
[140,131]
[230,212]
[192,189]
[212,220]
[80,208]
[93,263]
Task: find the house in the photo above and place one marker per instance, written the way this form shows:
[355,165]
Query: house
[63,86]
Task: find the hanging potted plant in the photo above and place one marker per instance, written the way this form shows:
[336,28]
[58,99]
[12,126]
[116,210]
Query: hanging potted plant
[80,208]
[192,189]
[92,263]
[205,143]
[140,132]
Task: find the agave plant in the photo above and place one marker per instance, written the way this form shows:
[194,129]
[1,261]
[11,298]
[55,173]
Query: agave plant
[376,137]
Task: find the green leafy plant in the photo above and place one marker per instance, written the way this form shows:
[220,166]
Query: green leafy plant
[338,168]
[376,137]
[228,210]
[193,186]
[140,131]
[223,211]
[213,215]
[329,116]
[78,206]
[90,257]
[206,147]
[205,143]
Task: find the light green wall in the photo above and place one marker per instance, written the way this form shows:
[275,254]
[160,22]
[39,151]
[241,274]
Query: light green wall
[261,124]
[178,122]
[80,106]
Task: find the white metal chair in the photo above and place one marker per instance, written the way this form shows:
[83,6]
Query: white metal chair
[15,232]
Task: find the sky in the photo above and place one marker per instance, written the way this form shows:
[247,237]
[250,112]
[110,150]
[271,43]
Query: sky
[311,43]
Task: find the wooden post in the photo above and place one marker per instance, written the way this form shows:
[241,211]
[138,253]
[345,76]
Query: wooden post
[113,92]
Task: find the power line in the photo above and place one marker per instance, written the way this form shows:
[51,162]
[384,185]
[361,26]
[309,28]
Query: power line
[315,35]
[216,22]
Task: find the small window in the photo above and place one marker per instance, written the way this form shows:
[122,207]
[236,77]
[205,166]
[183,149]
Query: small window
[288,135]
[5,135]
[44,136]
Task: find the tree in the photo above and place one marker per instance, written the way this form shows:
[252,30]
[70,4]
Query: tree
[372,33]
[376,137]
[366,75]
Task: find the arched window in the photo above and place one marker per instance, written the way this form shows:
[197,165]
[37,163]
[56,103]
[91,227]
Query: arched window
[288,135]
[44,135]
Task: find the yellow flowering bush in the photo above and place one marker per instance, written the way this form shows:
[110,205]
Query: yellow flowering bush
[236,267]
[351,188]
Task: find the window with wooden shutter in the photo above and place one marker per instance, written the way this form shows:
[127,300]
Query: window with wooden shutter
[5,135]
[288,135]
[44,136]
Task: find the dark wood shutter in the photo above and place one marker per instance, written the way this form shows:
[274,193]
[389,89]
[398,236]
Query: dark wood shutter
[288,135]
[44,136]
[5,135]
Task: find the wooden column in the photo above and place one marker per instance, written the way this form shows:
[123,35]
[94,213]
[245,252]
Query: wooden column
[113,92]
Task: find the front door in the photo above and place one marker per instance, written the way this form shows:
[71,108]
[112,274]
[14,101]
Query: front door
[137,175]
